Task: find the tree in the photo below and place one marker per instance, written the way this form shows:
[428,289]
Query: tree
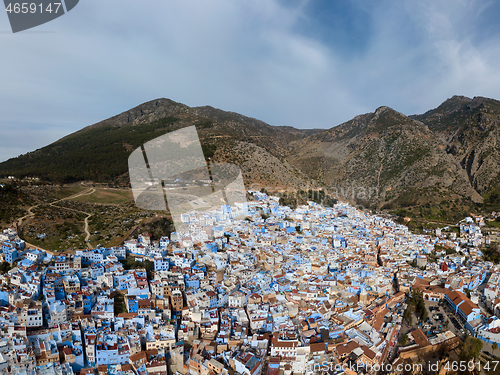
[4,267]
[119,304]
[404,340]
[129,264]
[408,314]
[467,292]
[471,348]
[423,315]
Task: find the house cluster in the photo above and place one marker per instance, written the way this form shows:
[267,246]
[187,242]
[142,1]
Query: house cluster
[12,247]
[282,291]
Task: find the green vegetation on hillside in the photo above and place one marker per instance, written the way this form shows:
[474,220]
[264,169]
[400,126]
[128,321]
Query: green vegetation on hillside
[445,211]
[426,170]
[491,253]
[12,200]
[63,229]
[157,227]
[106,196]
[95,154]
[317,196]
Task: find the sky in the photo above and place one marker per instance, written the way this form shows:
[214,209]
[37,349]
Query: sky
[307,64]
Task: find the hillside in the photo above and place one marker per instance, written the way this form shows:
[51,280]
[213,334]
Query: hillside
[444,161]
[383,157]
[100,152]
[470,132]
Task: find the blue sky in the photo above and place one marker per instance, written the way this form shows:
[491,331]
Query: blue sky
[300,63]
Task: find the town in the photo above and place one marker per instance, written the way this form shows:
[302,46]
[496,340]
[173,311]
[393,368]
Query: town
[277,292]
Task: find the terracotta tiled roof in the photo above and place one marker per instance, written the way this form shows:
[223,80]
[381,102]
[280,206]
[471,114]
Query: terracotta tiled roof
[420,337]
[346,348]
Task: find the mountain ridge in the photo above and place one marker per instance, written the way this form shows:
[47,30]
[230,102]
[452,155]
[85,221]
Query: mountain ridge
[451,152]
[99,152]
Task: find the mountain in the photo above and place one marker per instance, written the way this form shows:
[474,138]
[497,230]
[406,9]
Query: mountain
[383,157]
[470,132]
[445,160]
[100,152]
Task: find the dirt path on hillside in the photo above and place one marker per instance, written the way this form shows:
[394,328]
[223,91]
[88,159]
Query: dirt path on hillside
[30,214]
[88,191]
